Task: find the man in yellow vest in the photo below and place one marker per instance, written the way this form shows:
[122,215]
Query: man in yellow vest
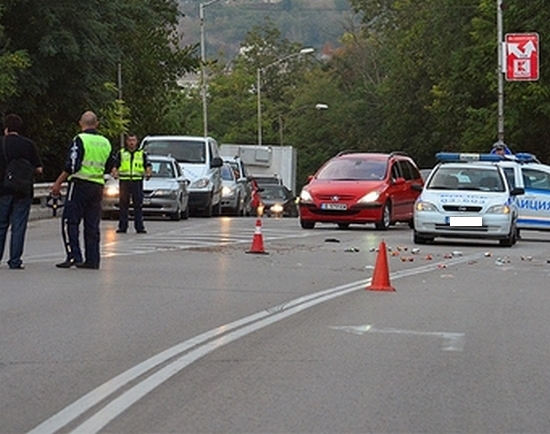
[131,166]
[89,158]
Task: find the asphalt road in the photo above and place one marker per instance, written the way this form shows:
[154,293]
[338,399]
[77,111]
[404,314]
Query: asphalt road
[182,331]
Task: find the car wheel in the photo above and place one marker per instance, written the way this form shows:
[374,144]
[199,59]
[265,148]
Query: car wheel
[419,239]
[175,216]
[343,225]
[511,239]
[185,213]
[384,224]
[307,224]
[217,209]
[208,211]
[411,223]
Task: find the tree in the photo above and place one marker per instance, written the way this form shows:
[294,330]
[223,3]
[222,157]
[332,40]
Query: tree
[74,59]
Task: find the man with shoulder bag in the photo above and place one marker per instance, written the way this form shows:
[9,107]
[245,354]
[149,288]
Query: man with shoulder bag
[19,163]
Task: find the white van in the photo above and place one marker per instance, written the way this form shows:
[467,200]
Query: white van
[199,157]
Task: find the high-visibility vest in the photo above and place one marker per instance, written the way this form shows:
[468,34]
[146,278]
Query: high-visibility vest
[131,165]
[97,150]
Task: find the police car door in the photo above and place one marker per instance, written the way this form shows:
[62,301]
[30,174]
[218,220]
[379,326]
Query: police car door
[534,205]
[513,173]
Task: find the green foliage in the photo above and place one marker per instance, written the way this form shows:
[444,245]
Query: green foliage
[74,47]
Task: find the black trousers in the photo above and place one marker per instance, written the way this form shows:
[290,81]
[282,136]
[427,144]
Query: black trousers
[130,190]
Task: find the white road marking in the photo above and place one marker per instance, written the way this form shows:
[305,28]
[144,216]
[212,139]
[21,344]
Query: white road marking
[451,341]
[188,352]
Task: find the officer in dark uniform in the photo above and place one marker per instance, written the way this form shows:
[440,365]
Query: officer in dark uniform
[90,157]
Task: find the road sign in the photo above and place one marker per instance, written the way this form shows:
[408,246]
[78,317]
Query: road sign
[522,56]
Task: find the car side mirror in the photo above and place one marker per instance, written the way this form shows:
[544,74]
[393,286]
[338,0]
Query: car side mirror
[517,191]
[216,162]
[399,181]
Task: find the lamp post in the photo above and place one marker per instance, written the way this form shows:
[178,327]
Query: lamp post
[318,106]
[203,65]
[259,84]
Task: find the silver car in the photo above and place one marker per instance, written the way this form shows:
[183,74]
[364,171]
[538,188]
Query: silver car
[234,194]
[165,194]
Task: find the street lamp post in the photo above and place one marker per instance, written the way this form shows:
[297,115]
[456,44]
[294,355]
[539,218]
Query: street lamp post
[203,65]
[259,85]
[318,106]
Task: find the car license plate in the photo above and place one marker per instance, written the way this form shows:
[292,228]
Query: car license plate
[465,221]
[334,206]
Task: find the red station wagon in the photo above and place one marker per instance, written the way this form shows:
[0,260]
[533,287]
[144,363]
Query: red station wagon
[362,188]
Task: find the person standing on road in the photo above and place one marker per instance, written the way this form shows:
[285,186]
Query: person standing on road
[89,158]
[131,166]
[15,207]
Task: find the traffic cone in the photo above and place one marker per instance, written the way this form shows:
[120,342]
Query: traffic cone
[258,240]
[381,275]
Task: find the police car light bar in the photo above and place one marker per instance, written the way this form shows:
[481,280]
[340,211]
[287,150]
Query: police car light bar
[457,157]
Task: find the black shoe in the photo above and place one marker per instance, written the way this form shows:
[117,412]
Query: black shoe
[67,264]
[87,266]
[121,231]
[142,231]
[18,267]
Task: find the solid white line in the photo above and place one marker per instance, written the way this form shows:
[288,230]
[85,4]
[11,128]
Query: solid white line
[223,335]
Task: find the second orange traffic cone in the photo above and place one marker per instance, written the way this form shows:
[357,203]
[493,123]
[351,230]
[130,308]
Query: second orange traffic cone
[381,275]
[258,240]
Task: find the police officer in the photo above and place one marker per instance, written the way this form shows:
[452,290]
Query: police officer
[90,157]
[131,166]
[500,148]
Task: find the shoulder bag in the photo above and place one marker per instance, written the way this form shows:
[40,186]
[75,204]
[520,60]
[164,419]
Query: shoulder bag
[19,175]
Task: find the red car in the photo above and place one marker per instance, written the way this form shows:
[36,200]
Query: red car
[362,188]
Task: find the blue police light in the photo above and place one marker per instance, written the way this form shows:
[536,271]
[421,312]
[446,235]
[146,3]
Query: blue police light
[522,157]
[455,156]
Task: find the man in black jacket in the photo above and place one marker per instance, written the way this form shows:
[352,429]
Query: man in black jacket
[15,207]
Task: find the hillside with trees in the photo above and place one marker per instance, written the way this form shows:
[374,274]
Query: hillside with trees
[418,77]
[315,23]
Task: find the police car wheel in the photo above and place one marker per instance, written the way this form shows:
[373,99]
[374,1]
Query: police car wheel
[510,240]
[419,239]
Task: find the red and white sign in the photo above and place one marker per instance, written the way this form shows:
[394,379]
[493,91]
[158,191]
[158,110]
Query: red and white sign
[522,56]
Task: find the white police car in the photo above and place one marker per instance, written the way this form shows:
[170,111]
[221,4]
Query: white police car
[534,205]
[469,196]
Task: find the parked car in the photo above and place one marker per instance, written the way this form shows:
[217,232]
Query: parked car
[468,196]
[164,194]
[242,178]
[233,192]
[361,188]
[278,201]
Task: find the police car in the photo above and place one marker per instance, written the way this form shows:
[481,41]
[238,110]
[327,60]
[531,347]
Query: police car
[469,196]
[534,205]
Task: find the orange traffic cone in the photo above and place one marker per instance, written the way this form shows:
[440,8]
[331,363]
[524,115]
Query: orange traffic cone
[258,240]
[381,275]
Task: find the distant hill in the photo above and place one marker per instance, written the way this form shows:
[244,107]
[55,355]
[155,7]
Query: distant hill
[314,23]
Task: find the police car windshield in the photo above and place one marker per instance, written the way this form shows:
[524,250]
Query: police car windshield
[467,178]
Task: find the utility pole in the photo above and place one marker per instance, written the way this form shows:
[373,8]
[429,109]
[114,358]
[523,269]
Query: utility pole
[501,72]
[203,66]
